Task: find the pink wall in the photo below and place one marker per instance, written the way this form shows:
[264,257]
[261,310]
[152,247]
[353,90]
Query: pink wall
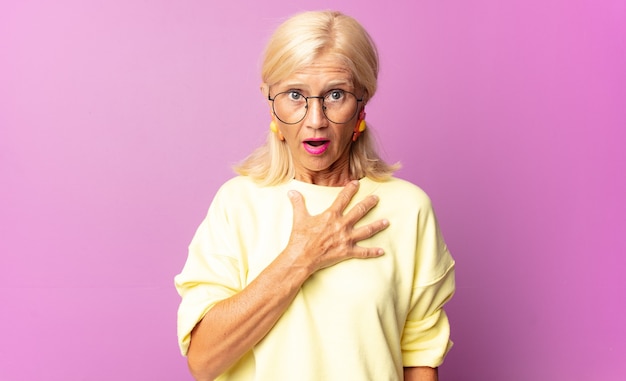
[119,119]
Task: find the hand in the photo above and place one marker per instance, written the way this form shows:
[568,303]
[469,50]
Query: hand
[328,238]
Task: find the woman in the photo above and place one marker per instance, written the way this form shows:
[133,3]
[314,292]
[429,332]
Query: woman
[315,263]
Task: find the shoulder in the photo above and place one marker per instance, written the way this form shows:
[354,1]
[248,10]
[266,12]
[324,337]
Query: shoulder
[402,191]
[238,186]
[238,182]
[241,192]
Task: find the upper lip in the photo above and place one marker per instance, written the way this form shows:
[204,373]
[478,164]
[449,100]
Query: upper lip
[316,140]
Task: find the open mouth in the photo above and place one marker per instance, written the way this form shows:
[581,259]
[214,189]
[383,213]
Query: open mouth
[316,146]
[316,143]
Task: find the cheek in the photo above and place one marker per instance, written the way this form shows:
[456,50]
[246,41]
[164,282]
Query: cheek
[346,133]
[290,133]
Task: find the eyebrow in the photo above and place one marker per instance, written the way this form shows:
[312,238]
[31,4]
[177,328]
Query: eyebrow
[329,86]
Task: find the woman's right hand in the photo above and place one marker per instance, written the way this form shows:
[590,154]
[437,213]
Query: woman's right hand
[328,238]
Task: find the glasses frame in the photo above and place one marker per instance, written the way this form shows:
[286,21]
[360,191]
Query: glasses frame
[306,105]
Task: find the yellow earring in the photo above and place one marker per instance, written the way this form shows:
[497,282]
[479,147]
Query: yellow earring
[358,130]
[362,126]
[274,129]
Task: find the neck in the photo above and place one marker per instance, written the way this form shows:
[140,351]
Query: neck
[329,179]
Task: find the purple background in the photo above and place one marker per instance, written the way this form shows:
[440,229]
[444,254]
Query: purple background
[119,120]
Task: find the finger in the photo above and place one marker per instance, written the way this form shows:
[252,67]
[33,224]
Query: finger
[367,252]
[345,196]
[369,230]
[298,204]
[361,209]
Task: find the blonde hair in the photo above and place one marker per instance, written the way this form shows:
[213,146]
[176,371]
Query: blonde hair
[297,43]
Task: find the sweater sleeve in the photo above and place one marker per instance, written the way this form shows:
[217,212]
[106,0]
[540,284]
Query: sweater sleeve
[426,335]
[211,273]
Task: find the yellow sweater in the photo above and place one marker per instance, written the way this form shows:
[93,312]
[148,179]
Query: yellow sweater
[357,320]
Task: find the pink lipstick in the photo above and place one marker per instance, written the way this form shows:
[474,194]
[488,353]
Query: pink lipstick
[316,146]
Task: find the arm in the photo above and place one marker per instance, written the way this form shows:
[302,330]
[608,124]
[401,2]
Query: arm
[426,335]
[234,325]
[421,373]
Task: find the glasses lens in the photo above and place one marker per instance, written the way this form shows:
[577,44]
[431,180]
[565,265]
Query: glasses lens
[339,106]
[290,107]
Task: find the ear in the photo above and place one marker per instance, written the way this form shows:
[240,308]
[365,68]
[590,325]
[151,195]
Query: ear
[274,123]
[264,90]
[366,97]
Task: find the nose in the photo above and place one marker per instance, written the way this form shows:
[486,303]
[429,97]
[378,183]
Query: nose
[315,117]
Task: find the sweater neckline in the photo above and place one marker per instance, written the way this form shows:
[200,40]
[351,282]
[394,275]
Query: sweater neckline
[366,185]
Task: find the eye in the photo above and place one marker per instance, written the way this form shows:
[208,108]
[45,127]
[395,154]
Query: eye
[294,95]
[335,95]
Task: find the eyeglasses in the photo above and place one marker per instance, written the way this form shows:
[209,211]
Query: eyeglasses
[338,106]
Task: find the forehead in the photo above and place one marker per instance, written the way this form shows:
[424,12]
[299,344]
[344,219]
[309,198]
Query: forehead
[324,70]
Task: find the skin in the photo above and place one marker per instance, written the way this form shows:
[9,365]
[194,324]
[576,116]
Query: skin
[421,373]
[235,325]
[332,167]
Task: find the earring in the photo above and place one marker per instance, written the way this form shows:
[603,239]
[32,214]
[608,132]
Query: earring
[360,126]
[274,129]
